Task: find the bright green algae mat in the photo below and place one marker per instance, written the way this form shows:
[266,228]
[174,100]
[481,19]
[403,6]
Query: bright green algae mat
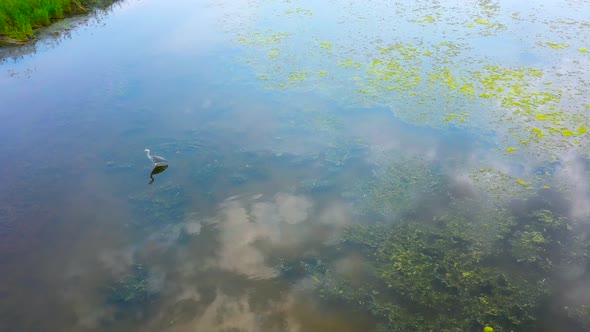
[439,65]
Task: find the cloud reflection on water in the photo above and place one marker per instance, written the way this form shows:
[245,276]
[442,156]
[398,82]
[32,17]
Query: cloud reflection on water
[243,223]
[575,175]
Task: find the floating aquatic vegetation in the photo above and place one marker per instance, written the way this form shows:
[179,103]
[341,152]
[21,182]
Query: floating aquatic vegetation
[444,77]
[428,19]
[349,63]
[298,76]
[263,77]
[264,39]
[274,52]
[428,82]
[392,72]
[300,11]
[326,45]
[481,21]
[557,46]
[462,117]
[531,105]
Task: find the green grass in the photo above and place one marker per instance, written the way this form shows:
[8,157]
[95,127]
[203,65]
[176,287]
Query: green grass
[19,18]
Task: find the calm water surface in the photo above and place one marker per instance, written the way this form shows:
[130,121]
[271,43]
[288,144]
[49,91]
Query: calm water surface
[285,123]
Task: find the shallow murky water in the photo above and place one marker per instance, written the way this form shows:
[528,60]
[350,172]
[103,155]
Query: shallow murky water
[333,166]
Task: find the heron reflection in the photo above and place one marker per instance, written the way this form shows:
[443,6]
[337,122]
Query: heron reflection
[157,170]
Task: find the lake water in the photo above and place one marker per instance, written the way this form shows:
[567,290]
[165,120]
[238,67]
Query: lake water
[291,128]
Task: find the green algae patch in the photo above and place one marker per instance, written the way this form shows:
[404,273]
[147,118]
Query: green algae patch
[427,19]
[392,74]
[430,82]
[583,50]
[557,46]
[299,11]
[397,69]
[263,77]
[462,117]
[538,133]
[261,39]
[326,46]
[532,105]
[349,63]
[567,132]
[445,78]
[274,53]
[298,76]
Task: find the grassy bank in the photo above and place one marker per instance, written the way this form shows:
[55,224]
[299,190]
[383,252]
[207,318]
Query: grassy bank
[19,18]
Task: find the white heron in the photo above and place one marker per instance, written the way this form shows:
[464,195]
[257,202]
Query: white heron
[157,160]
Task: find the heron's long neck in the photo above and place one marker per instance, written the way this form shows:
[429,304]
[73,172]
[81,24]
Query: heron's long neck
[148,154]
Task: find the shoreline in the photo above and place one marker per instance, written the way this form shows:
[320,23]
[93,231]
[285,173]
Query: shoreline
[79,8]
[51,35]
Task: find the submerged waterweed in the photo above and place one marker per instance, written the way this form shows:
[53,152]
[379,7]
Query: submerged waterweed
[445,263]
